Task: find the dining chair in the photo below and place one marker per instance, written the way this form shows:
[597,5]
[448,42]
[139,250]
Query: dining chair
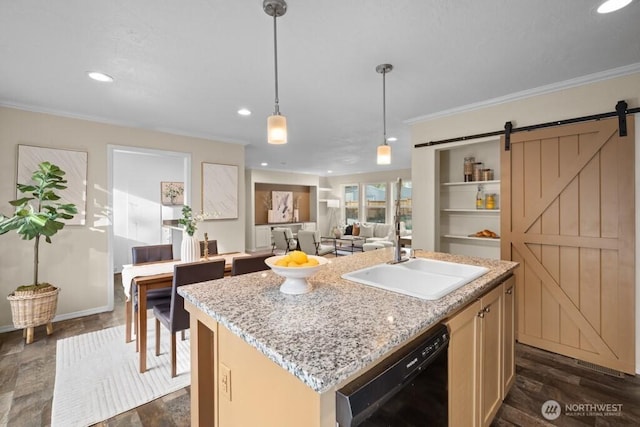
[173,315]
[283,239]
[213,247]
[249,264]
[150,253]
[139,255]
[310,243]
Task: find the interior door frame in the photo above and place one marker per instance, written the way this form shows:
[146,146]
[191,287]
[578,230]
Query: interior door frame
[111,150]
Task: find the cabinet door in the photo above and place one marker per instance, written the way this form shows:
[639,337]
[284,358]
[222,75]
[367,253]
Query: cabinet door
[463,367]
[509,338]
[263,237]
[491,385]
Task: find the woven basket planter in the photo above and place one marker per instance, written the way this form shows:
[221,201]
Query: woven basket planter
[33,308]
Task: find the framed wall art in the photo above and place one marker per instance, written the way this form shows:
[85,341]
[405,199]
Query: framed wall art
[73,163]
[220,191]
[282,206]
[172,193]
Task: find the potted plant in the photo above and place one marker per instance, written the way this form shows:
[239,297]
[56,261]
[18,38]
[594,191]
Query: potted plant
[37,215]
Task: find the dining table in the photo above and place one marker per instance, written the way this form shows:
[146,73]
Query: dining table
[155,275]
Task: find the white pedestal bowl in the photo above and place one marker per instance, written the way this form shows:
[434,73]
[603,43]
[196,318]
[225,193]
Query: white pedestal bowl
[295,282]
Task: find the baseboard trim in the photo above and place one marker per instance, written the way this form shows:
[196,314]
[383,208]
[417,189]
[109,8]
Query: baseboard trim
[66,316]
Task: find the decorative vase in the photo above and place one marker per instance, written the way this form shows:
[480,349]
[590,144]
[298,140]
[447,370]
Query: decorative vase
[296,216]
[189,249]
[270,216]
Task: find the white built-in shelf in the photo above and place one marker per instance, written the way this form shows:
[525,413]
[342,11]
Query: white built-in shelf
[495,181]
[483,239]
[473,211]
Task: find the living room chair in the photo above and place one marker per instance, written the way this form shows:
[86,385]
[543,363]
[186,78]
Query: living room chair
[283,239]
[310,243]
[249,264]
[173,315]
[139,255]
[213,247]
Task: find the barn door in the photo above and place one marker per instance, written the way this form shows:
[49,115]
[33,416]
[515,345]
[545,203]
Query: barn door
[568,219]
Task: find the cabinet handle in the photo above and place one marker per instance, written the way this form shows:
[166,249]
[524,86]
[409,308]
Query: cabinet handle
[481,314]
[509,291]
[487,309]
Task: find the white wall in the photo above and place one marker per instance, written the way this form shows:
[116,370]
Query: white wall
[78,260]
[584,100]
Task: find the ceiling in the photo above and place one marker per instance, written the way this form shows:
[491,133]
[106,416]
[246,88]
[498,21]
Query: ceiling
[187,67]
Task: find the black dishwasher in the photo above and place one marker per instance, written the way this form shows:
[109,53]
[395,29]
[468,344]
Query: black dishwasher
[407,389]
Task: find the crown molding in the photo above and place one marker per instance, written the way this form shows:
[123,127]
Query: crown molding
[554,87]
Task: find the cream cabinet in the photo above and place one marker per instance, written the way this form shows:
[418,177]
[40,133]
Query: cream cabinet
[490,360]
[464,376]
[262,235]
[478,358]
[509,335]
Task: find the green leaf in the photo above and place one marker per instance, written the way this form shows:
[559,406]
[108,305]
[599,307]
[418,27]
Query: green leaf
[20,201]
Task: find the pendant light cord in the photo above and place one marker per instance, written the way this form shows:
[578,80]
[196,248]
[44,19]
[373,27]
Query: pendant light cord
[384,107]
[275,57]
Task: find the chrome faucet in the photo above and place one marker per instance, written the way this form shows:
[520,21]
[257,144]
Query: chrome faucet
[398,251]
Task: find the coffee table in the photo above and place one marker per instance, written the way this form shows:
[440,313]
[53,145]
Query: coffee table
[346,243]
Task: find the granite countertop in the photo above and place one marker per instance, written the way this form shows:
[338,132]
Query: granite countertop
[340,327]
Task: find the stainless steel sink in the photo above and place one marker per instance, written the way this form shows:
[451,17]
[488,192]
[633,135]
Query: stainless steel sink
[419,277]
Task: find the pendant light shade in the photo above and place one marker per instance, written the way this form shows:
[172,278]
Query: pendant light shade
[384,150]
[384,154]
[276,123]
[277,129]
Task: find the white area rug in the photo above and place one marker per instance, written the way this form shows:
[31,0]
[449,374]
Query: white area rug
[97,375]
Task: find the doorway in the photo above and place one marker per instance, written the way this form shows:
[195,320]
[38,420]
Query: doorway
[135,177]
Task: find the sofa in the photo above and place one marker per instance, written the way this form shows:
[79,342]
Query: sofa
[379,233]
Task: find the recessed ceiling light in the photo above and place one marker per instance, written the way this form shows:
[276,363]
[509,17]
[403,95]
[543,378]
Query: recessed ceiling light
[264,164]
[244,112]
[392,139]
[329,171]
[612,5]
[100,77]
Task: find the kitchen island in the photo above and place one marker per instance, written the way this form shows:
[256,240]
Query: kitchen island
[261,357]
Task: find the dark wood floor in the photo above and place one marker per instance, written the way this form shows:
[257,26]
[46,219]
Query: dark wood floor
[27,374]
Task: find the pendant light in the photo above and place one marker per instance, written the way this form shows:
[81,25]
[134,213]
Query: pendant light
[276,123]
[384,150]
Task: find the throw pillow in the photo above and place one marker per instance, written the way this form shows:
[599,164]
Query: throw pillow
[356,230]
[366,231]
[348,230]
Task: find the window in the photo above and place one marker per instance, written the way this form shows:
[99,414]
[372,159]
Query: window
[376,202]
[351,204]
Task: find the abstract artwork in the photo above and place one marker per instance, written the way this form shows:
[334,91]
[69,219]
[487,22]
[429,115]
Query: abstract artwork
[172,193]
[220,191]
[73,163]
[282,206]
